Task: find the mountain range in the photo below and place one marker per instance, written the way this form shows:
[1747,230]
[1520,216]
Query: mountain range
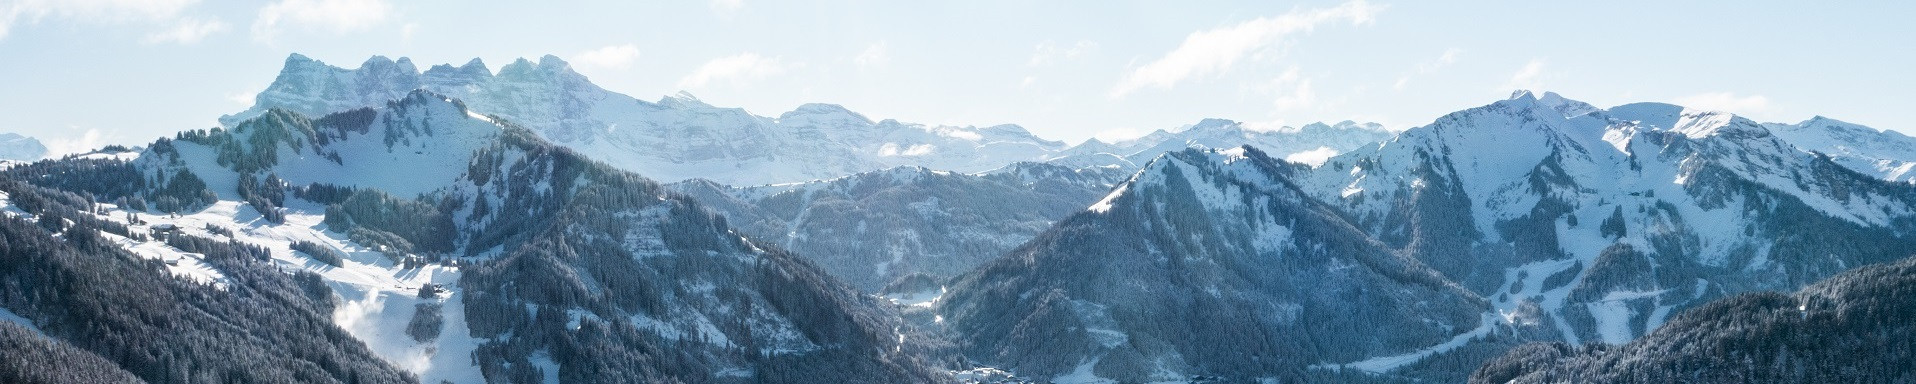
[384,224]
[680,137]
[1533,218]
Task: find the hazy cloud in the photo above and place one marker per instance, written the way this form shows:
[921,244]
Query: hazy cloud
[1529,78]
[727,7]
[1215,51]
[1293,91]
[333,16]
[187,31]
[876,55]
[1449,57]
[736,69]
[1727,102]
[88,140]
[157,12]
[1049,52]
[610,57]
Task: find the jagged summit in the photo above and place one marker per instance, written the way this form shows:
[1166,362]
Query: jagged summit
[445,75]
[680,137]
[1314,141]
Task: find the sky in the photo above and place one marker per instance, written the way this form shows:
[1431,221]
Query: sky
[79,74]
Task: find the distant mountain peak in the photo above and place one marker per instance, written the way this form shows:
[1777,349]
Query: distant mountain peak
[1212,124]
[1522,94]
[548,67]
[14,146]
[1551,100]
[822,111]
[444,75]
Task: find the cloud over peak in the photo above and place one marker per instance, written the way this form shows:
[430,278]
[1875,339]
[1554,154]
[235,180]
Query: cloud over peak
[1214,51]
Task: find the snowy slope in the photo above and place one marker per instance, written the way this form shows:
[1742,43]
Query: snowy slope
[1597,224]
[1886,154]
[1203,264]
[441,195]
[1853,327]
[413,145]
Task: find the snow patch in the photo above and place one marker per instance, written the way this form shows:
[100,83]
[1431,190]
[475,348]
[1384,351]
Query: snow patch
[1314,157]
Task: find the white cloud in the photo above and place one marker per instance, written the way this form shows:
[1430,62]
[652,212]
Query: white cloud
[1215,51]
[892,149]
[157,12]
[407,31]
[736,69]
[1529,78]
[1293,91]
[610,57]
[89,140]
[1048,52]
[1727,102]
[1449,57]
[726,7]
[874,56]
[1313,157]
[334,16]
[188,31]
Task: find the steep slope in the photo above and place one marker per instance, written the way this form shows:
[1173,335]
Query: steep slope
[1854,327]
[1889,155]
[468,249]
[95,311]
[673,139]
[1594,225]
[875,227]
[1204,264]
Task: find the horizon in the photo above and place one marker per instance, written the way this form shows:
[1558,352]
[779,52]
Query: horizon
[1061,72]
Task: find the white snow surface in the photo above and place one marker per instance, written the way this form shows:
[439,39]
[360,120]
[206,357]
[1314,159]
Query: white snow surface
[377,295]
[1889,155]
[1615,160]
[436,141]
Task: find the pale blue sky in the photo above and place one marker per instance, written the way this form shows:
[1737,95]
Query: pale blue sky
[81,73]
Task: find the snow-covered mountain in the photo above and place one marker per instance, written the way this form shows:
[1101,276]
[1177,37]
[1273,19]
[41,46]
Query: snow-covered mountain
[1889,155]
[1598,224]
[1854,327]
[461,247]
[1205,264]
[1575,223]
[15,147]
[680,137]
[875,227]
[1310,144]
[676,138]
